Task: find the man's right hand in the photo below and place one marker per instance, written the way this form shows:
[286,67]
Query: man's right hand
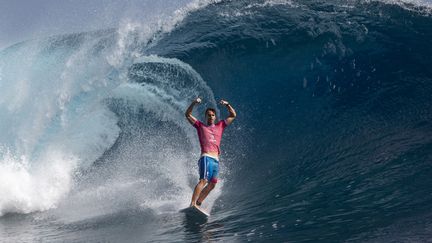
[188,113]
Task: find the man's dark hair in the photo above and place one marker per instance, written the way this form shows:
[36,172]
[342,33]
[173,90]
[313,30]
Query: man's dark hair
[210,109]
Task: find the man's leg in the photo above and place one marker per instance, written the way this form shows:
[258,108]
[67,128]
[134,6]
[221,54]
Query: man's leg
[214,171]
[197,191]
[205,192]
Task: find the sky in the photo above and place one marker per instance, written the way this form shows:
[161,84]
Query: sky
[22,20]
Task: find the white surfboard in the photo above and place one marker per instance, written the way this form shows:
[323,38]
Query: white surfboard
[195,211]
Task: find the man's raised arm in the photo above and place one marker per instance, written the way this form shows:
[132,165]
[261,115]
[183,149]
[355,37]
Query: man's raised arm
[232,113]
[188,113]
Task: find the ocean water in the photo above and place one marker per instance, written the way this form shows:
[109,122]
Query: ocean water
[332,142]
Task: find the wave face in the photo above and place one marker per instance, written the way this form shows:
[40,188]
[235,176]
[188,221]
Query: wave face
[332,141]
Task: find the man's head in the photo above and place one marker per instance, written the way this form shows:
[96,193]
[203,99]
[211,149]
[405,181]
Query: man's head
[210,116]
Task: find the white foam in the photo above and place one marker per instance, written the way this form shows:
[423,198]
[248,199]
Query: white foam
[424,3]
[25,189]
[134,32]
[53,121]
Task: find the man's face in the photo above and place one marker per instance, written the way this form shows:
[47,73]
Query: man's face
[210,117]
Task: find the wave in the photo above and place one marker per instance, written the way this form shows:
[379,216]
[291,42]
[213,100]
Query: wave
[332,140]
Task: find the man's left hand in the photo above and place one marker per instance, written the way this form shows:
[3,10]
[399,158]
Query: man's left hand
[223,102]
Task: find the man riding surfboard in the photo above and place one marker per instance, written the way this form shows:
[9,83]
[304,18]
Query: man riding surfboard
[210,135]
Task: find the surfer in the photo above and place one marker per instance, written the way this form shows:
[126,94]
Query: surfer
[209,135]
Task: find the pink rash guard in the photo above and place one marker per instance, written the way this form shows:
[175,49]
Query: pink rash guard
[210,136]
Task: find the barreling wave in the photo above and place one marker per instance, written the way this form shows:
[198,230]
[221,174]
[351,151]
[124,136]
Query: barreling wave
[332,140]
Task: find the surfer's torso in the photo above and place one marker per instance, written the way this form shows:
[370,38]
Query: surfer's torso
[210,137]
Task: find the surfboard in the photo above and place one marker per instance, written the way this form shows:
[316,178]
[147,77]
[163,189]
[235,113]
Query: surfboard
[195,211]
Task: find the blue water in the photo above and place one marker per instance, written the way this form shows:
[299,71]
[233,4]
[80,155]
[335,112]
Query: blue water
[332,143]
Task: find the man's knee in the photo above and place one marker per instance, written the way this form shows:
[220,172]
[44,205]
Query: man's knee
[202,182]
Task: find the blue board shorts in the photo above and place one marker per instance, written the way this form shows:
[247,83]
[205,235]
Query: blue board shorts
[208,168]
